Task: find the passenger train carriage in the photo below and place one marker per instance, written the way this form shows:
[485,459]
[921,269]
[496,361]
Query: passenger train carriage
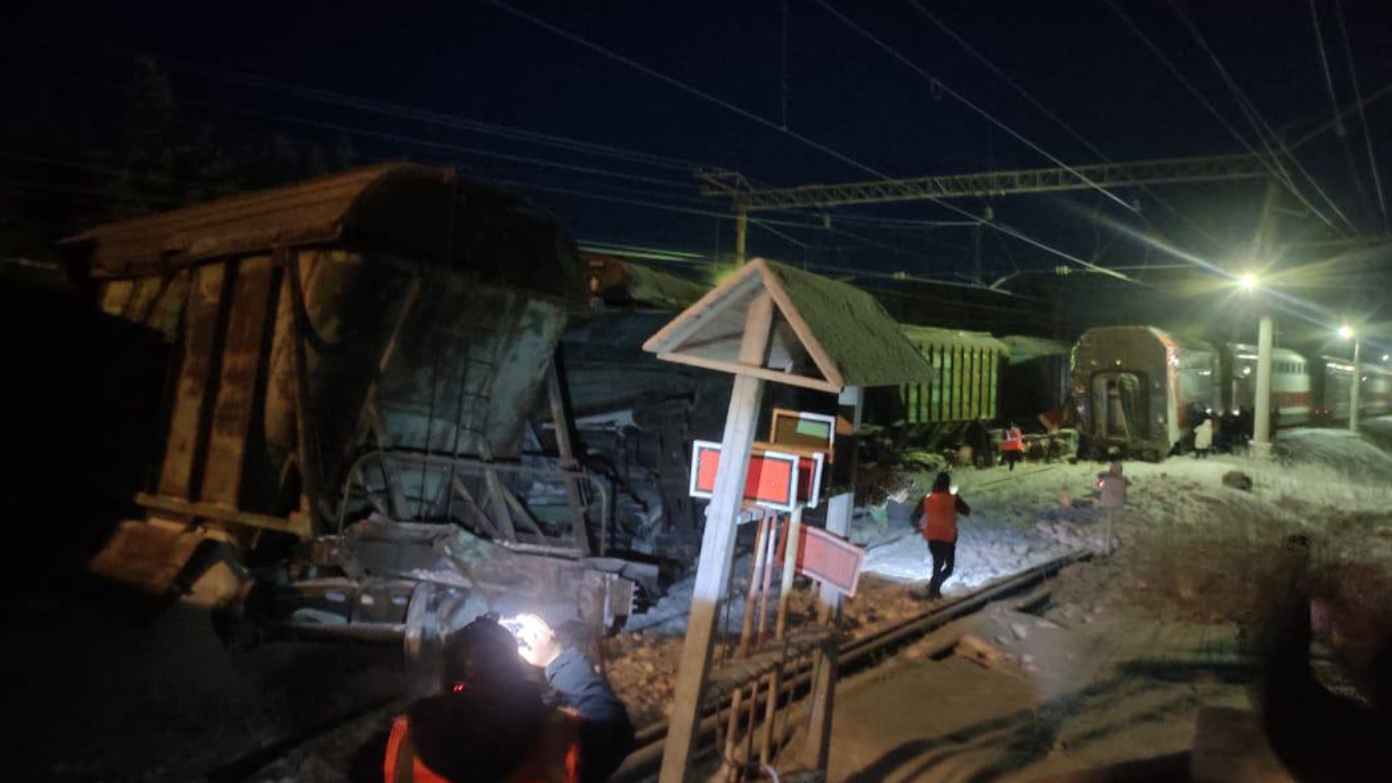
[1139,390]
[1136,387]
[1292,394]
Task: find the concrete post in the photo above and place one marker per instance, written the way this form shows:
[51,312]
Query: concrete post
[1356,390]
[1261,426]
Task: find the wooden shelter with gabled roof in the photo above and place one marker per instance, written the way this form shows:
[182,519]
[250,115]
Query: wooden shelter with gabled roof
[825,335]
[771,322]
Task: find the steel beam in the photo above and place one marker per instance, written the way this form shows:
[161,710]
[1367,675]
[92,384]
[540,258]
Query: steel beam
[991,183]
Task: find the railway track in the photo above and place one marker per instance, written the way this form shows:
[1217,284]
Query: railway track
[855,654]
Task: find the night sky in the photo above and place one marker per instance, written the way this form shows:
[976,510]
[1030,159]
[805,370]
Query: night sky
[399,79]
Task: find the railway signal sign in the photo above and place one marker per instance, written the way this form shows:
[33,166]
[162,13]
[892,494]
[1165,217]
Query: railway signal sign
[771,480]
[778,480]
[830,559]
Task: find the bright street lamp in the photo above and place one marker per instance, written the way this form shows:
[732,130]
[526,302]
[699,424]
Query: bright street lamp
[1248,281]
[1346,332]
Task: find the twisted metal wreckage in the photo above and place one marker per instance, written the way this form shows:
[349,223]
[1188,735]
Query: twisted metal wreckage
[359,367]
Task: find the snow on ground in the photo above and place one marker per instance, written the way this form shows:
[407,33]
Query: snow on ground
[1191,551]
[1196,546]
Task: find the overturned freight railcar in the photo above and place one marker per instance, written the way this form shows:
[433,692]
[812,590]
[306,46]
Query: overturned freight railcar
[1139,390]
[363,345]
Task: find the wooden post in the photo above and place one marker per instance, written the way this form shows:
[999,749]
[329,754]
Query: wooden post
[761,541]
[780,630]
[561,422]
[741,233]
[717,544]
[839,510]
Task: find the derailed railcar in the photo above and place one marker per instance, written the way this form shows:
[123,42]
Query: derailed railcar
[1140,390]
[1376,394]
[1035,377]
[966,382]
[364,344]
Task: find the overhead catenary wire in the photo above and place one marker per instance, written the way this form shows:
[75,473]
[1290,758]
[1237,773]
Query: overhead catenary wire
[399,138]
[1055,118]
[767,123]
[960,98]
[1362,115]
[384,108]
[1339,130]
[1265,133]
[1280,175]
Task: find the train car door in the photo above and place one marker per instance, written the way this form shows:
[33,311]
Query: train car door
[1119,406]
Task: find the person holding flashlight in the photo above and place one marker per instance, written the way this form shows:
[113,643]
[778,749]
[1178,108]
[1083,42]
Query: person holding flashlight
[496,723]
[941,507]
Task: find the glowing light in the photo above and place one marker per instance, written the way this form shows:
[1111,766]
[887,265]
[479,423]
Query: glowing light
[1248,281]
[1386,358]
[1346,332]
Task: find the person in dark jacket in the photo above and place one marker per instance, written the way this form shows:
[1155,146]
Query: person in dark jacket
[1320,736]
[941,508]
[495,723]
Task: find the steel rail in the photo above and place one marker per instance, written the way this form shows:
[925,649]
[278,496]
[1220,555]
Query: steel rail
[855,654]
[642,764]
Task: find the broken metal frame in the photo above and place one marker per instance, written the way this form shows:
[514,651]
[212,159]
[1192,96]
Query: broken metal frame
[507,503]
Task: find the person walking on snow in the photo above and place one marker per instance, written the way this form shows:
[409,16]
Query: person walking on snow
[1013,445]
[941,507]
[1112,486]
[1203,438]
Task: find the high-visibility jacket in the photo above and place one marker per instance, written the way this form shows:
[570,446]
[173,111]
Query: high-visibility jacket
[1014,440]
[940,517]
[553,758]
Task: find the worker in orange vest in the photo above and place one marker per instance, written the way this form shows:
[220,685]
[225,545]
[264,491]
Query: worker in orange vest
[941,507]
[492,723]
[1013,445]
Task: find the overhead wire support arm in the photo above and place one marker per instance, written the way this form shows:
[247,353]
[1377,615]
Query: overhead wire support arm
[991,183]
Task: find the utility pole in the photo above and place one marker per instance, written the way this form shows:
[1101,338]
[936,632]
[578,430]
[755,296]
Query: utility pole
[1263,251]
[741,233]
[1261,427]
[1356,392]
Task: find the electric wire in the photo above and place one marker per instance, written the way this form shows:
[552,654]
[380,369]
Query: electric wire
[396,138]
[1339,129]
[913,66]
[1265,133]
[1057,120]
[1362,115]
[1280,175]
[810,142]
[384,108]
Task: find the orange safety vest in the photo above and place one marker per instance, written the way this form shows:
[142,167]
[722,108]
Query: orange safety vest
[554,758]
[1014,440]
[940,511]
